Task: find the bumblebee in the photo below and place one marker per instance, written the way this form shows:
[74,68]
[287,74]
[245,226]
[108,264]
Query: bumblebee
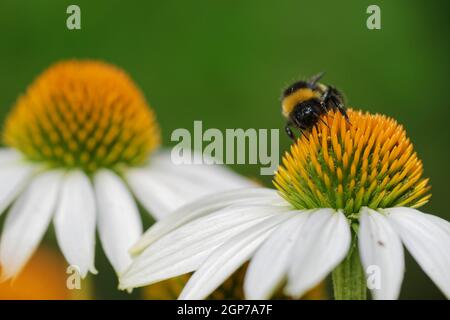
[304,102]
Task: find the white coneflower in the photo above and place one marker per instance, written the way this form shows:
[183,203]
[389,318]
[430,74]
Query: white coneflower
[345,192]
[81,142]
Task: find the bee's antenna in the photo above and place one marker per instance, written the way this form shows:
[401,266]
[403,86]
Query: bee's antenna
[316,77]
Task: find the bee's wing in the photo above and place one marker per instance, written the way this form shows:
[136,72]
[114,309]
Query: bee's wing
[316,77]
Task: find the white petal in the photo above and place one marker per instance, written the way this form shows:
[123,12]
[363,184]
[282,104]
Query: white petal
[204,206]
[75,221]
[181,183]
[380,246]
[119,223]
[13,178]
[269,266]
[321,246]
[427,238]
[213,176]
[228,258]
[9,156]
[27,222]
[157,197]
[184,249]
[163,187]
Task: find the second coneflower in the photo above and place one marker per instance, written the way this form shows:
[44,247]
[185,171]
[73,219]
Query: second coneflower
[81,142]
[345,203]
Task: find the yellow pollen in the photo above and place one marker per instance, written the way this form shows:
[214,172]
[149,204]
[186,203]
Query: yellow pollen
[83,114]
[368,163]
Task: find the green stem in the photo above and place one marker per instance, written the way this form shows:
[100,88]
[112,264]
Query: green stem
[349,280]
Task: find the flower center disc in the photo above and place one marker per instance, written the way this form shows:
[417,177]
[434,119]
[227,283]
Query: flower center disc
[337,165]
[83,114]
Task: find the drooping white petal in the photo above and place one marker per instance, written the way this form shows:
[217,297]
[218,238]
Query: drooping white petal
[270,263]
[318,250]
[13,178]
[149,188]
[427,238]
[214,176]
[119,223]
[204,206]
[184,249]
[27,222]
[380,247]
[163,186]
[229,257]
[181,183]
[9,156]
[75,221]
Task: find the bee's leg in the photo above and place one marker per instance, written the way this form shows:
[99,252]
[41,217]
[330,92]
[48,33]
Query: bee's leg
[289,132]
[325,100]
[324,122]
[320,119]
[336,99]
[341,109]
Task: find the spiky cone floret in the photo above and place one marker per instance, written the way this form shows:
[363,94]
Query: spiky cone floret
[368,161]
[81,146]
[83,114]
[346,195]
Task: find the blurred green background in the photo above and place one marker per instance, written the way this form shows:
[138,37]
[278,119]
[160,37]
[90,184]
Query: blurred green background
[226,62]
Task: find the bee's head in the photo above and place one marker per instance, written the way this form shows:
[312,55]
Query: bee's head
[306,114]
[296,94]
